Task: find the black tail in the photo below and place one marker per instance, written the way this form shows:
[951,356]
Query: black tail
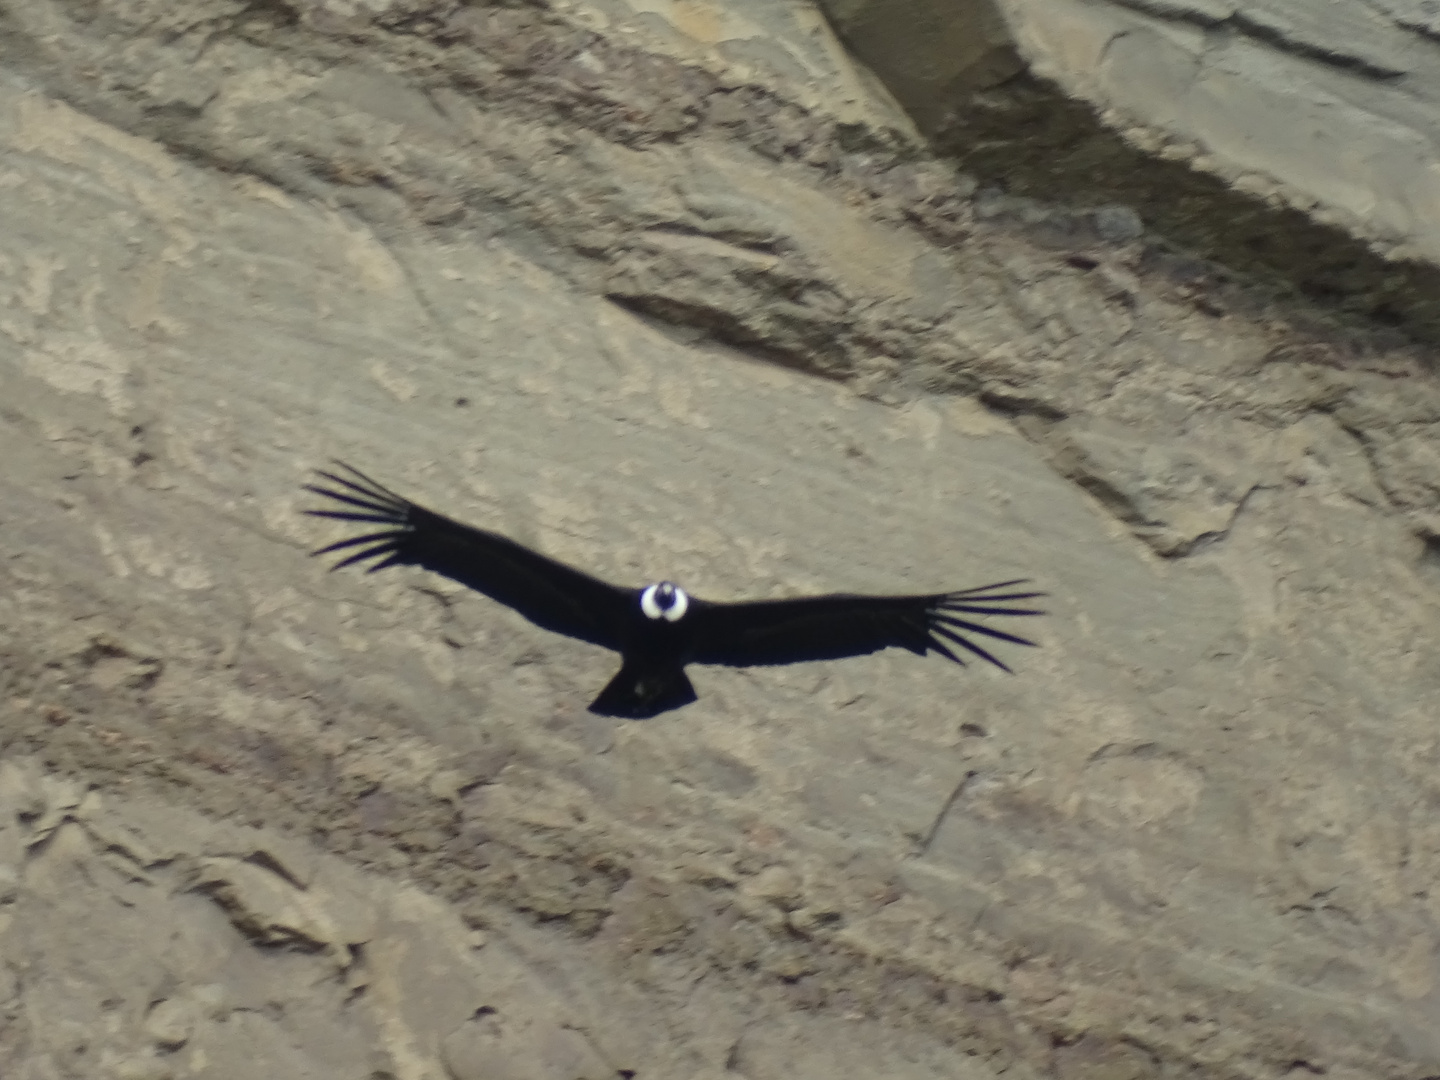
[639,695]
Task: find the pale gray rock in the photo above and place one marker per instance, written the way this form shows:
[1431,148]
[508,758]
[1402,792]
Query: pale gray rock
[170,1024]
[1326,109]
[532,266]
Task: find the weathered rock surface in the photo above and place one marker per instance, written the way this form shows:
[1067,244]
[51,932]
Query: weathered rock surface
[666,294]
[1291,139]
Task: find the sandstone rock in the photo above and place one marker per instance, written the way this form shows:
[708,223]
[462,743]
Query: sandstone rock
[1324,110]
[532,265]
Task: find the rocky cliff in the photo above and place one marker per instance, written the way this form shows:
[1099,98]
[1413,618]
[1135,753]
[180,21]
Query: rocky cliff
[674,290]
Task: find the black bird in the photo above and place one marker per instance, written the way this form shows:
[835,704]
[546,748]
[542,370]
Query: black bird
[659,629]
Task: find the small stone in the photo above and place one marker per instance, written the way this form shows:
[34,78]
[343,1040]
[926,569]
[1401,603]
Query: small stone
[170,1023]
[809,921]
[778,884]
[1118,224]
[473,1052]
[712,873]
[212,1001]
[9,884]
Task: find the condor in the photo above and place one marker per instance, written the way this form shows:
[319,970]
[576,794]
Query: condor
[658,629]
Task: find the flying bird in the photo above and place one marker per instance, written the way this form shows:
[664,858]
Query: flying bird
[659,628]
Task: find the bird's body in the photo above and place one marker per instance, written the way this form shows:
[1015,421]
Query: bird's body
[655,651]
[660,628]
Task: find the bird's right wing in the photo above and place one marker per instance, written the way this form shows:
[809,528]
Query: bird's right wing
[550,594]
[830,627]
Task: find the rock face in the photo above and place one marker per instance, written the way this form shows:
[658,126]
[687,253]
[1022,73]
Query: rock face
[669,291]
[1298,141]
[1333,108]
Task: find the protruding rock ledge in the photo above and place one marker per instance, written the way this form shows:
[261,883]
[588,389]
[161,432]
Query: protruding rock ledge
[1275,139]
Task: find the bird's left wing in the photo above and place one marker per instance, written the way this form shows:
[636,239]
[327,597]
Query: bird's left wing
[830,627]
[550,594]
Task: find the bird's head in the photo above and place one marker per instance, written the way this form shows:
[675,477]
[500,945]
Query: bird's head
[664,600]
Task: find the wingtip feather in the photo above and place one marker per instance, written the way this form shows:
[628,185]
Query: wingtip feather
[376,488]
[361,556]
[375,495]
[979,628]
[965,643]
[389,536]
[976,609]
[944,650]
[995,599]
[370,501]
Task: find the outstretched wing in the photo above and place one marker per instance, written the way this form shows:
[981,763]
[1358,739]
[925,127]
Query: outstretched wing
[548,593]
[829,627]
